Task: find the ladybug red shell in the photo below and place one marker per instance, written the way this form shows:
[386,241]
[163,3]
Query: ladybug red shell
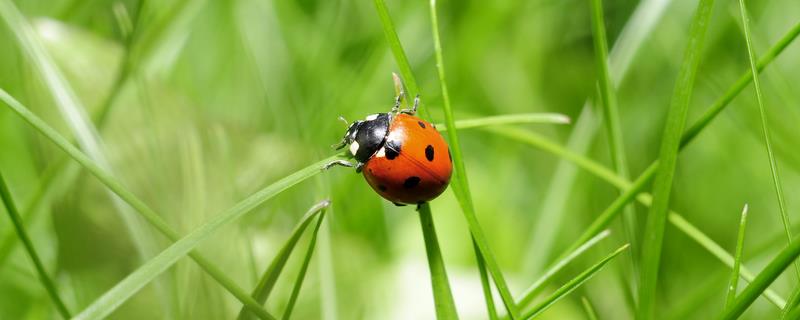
[403,158]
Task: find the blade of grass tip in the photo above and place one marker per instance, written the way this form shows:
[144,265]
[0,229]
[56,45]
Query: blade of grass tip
[301,276]
[520,118]
[773,269]
[602,221]
[398,52]
[609,176]
[645,17]
[559,265]
[773,165]
[573,284]
[123,290]
[611,119]
[16,220]
[491,310]
[442,295]
[590,313]
[151,216]
[668,156]
[737,260]
[460,183]
[270,276]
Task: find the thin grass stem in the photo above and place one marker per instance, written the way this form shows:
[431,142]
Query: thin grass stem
[737,260]
[301,276]
[442,295]
[19,227]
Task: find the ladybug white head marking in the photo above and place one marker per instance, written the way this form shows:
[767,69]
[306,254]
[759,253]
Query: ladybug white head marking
[354,147]
[381,152]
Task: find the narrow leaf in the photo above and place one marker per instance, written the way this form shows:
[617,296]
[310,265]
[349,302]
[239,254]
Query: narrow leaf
[460,183]
[442,296]
[149,214]
[668,156]
[605,218]
[559,265]
[16,220]
[572,284]
[763,280]
[598,170]
[270,276]
[589,309]
[488,297]
[301,276]
[737,260]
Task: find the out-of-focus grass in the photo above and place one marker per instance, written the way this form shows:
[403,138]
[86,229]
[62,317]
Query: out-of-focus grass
[224,98]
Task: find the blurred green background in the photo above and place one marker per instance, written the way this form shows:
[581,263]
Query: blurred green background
[220,98]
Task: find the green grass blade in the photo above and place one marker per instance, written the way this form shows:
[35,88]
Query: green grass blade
[668,156]
[763,280]
[590,313]
[399,54]
[737,260]
[16,220]
[270,276]
[610,109]
[520,118]
[460,184]
[113,298]
[636,31]
[605,218]
[486,286]
[301,276]
[442,295]
[773,165]
[551,272]
[573,284]
[609,176]
[115,186]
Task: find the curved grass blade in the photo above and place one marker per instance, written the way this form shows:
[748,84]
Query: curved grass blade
[270,276]
[668,158]
[520,118]
[737,260]
[572,284]
[773,165]
[590,313]
[637,29]
[605,218]
[460,183]
[442,296]
[610,109]
[598,170]
[114,185]
[298,283]
[762,280]
[16,220]
[491,310]
[113,298]
[550,274]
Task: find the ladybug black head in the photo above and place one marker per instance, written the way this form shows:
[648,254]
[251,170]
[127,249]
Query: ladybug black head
[366,136]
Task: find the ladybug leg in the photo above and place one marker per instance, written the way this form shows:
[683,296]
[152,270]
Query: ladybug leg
[398,101]
[359,166]
[343,163]
[413,109]
[398,204]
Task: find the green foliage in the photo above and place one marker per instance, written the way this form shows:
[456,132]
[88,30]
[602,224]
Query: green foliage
[136,133]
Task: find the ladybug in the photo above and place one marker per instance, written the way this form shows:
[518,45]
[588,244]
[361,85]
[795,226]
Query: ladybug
[402,157]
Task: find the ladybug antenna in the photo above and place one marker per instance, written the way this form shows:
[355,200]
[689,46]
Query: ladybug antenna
[346,123]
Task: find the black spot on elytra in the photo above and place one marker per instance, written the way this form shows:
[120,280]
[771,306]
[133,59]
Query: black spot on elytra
[411,182]
[429,153]
[421,124]
[381,187]
[392,149]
